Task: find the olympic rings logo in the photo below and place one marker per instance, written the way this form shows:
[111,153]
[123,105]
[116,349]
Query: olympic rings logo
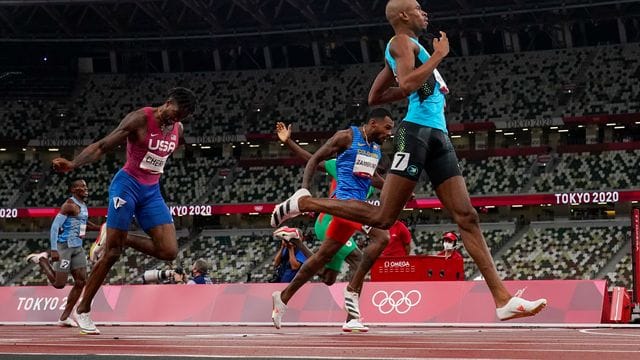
[396,301]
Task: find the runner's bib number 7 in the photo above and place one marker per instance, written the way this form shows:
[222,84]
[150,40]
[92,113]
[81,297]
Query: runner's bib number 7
[400,161]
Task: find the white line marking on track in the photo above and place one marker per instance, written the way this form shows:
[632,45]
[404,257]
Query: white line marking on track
[601,332]
[255,356]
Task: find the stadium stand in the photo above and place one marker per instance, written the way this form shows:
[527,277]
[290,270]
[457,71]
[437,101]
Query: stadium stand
[15,178]
[606,170]
[496,87]
[562,253]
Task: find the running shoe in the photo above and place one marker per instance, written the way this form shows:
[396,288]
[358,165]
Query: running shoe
[279,309]
[35,257]
[354,325]
[518,307]
[68,322]
[287,233]
[85,324]
[351,303]
[288,209]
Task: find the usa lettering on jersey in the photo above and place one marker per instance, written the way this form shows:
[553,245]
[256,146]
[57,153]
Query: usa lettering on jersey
[162,145]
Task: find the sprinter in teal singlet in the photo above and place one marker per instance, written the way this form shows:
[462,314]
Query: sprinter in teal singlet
[421,143]
[68,255]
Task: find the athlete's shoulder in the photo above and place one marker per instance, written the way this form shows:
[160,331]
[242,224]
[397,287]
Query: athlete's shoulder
[180,128]
[400,40]
[134,122]
[70,208]
[401,44]
[344,136]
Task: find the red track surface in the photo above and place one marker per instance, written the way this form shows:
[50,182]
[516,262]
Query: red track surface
[326,342]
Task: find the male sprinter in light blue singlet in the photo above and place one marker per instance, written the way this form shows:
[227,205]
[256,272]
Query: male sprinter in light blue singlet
[152,134]
[67,232]
[421,143]
[358,150]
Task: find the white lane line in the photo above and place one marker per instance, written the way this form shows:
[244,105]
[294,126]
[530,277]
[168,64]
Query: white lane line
[601,332]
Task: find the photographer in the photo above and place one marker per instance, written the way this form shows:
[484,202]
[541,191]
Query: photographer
[199,272]
[290,256]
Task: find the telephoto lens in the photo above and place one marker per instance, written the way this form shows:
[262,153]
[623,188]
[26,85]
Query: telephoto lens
[156,276]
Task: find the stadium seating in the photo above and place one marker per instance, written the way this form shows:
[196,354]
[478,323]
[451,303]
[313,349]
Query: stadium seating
[186,180]
[15,179]
[498,87]
[495,175]
[622,276]
[606,170]
[259,184]
[28,118]
[561,253]
[543,253]
[610,82]
[232,257]
[14,250]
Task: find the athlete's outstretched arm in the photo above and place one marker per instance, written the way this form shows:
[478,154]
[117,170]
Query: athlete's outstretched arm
[132,122]
[336,144]
[284,134]
[66,210]
[409,77]
[385,89]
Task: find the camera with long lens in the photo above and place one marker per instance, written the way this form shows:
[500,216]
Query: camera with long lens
[157,276]
[161,276]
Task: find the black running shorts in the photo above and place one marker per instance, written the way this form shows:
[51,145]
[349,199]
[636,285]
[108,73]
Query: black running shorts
[420,147]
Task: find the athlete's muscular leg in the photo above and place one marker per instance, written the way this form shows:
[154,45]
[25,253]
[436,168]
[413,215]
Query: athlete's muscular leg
[353,259]
[161,244]
[454,197]
[396,191]
[379,240]
[79,277]
[310,267]
[328,276]
[115,243]
[57,279]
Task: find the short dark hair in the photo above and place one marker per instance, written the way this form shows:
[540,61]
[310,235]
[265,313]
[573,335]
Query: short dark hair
[379,113]
[184,98]
[73,182]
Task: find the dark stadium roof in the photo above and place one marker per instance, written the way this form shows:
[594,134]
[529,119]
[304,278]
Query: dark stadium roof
[102,20]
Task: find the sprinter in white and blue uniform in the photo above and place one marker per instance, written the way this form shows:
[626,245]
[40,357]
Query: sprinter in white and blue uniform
[67,234]
[421,143]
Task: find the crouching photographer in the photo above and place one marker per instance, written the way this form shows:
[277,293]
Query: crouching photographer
[175,276]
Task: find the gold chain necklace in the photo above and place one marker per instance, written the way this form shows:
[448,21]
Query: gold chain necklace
[365,136]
